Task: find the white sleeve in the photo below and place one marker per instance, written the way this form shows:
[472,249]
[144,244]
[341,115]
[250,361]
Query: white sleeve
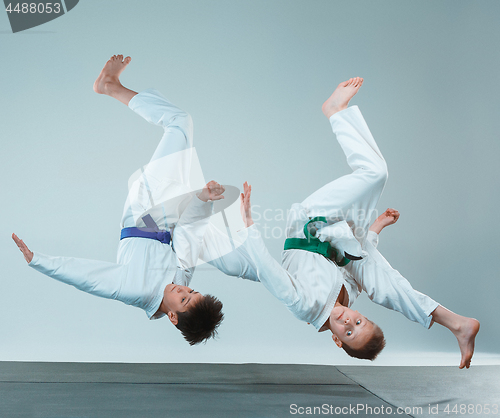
[227,255]
[270,273]
[98,278]
[372,238]
[188,235]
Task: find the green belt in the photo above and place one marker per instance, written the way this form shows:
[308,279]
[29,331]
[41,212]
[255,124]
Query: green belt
[314,245]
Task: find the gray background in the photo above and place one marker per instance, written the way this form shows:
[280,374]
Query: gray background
[253,75]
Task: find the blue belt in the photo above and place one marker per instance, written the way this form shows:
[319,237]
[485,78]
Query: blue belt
[151,231]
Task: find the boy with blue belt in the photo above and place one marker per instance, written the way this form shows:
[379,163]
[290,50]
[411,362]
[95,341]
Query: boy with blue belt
[150,273]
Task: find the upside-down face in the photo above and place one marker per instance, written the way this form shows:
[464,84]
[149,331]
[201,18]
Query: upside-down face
[350,327]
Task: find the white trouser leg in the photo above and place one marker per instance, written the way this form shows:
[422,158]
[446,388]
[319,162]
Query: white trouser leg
[387,287]
[177,125]
[352,197]
[170,164]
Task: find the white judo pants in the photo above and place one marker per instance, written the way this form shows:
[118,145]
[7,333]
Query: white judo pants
[165,185]
[353,198]
[161,187]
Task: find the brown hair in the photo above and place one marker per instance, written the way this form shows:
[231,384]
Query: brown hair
[372,347]
[200,322]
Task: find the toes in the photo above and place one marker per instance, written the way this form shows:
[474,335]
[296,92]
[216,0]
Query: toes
[127,60]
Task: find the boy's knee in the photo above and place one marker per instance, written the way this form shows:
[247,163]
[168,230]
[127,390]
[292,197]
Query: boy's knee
[178,119]
[380,173]
[187,120]
[183,122]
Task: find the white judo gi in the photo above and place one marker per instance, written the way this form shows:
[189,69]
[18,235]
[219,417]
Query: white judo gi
[308,283]
[162,189]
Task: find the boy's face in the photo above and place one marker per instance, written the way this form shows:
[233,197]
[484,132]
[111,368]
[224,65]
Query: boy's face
[350,327]
[178,298]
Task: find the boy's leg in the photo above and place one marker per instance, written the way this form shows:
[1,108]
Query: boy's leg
[352,197]
[387,287]
[162,187]
[167,174]
[108,82]
[463,328]
[153,107]
[177,137]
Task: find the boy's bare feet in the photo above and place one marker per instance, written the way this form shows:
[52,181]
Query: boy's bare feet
[108,81]
[109,77]
[389,217]
[340,98]
[466,336]
[463,328]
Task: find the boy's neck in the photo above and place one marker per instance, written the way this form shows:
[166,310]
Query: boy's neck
[342,300]
[343,297]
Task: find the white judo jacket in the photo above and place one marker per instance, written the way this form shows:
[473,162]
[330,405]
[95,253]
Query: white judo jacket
[144,266]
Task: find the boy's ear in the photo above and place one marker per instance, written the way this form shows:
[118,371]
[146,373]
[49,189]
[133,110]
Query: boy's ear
[336,340]
[173,317]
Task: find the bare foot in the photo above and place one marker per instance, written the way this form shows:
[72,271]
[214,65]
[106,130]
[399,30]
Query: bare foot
[340,98]
[109,79]
[466,336]
[389,217]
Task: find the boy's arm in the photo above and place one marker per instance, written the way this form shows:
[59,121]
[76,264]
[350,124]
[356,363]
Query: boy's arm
[270,273]
[190,229]
[389,217]
[98,278]
[228,255]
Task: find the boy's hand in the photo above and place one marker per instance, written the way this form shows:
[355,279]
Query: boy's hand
[28,255]
[389,217]
[246,207]
[212,191]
